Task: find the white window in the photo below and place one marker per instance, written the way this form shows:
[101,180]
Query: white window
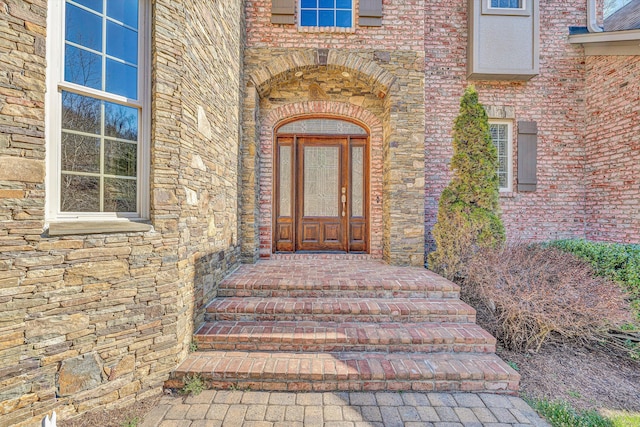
[502,136]
[98,128]
[326,13]
[507,4]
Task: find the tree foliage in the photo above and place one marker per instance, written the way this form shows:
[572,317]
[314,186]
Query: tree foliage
[468,211]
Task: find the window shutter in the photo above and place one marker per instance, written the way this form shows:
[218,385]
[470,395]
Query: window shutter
[370,13]
[527,156]
[283,11]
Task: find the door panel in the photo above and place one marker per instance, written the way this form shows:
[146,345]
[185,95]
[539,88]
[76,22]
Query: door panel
[320,170]
[284,195]
[358,193]
[321,176]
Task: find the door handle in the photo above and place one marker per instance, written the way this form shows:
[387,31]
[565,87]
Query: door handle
[344,201]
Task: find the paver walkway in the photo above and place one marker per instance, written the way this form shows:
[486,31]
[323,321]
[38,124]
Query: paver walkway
[336,409]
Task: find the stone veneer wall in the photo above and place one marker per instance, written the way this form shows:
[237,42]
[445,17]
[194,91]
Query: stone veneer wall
[554,99]
[93,321]
[613,148]
[386,67]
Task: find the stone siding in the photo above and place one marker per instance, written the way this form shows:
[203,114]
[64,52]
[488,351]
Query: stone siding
[101,320]
[554,99]
[613,148]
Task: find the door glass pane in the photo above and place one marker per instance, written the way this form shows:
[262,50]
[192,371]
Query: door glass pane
[357,181]
[285,180]
[322,127]
[321,184]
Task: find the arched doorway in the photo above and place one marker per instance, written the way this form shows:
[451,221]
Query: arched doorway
[321,186]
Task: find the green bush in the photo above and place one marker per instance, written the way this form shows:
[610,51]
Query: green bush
[615,261]
[468,210]
[620,263]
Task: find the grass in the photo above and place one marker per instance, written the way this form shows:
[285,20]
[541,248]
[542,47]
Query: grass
[513,365]
[133,422]
[561,414]
[623,419]
[193,385]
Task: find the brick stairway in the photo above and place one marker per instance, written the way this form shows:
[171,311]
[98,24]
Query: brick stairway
[333,324]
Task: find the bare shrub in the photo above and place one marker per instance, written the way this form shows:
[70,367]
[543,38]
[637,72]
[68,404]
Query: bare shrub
[533,294]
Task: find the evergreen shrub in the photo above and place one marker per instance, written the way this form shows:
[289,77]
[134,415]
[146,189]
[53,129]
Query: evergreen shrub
[468,211]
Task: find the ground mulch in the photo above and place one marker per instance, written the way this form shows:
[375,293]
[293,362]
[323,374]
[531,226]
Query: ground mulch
[587,378]
[119,417]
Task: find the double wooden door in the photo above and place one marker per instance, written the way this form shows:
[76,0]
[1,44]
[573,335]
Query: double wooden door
[321,191]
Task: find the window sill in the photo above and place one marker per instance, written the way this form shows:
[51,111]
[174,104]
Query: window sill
[97,227]
[326,29]
[507,194]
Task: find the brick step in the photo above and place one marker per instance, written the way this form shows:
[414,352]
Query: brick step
[348,371]
[340,310]
[370,288]
[362,279]
[306,336]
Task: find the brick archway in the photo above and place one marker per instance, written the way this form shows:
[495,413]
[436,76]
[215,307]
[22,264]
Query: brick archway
[284,67]
[338,110]
[288,83]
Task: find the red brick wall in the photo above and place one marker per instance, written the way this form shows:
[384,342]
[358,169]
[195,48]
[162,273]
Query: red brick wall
[402,24]
[554,99]
[613,148]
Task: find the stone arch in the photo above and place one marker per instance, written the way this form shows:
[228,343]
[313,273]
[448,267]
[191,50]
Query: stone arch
[283,68]
[339,110]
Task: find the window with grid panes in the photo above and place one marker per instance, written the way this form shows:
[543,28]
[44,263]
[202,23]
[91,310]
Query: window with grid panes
[98,130]
[326,13]
[501,135]
[507,4]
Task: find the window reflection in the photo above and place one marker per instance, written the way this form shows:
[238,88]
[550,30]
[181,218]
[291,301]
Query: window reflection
[621,15]
[98,152]
[83,28]
[326,13]
[99,155]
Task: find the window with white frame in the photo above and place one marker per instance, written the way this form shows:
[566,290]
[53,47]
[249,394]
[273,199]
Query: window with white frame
[326,13]
[502,137]
[98,125]
[507,4]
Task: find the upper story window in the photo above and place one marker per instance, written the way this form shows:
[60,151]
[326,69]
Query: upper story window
[507,4]
[326,13]
[612,6]
[97,129]
[621,15]
[501,134]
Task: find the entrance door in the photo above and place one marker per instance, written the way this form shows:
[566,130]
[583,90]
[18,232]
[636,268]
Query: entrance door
[321,193]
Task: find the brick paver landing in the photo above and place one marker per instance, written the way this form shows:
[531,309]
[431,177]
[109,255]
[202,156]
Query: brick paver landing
[354,325]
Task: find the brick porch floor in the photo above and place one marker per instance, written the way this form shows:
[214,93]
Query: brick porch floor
[309,324]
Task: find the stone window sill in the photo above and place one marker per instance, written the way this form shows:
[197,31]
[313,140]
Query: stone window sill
[326,29]
[97,227]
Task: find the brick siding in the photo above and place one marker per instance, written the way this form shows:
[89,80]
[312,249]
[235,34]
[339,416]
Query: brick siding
[612,171]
